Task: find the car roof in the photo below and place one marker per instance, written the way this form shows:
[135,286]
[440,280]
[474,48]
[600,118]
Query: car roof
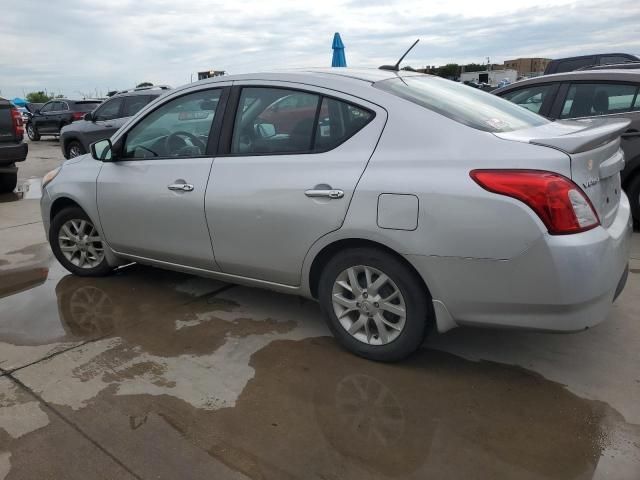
[621,75]
[313,75]
[153,90]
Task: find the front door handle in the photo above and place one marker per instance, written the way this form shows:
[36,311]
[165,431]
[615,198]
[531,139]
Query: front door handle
[329,193]
[630,133]
[181,187]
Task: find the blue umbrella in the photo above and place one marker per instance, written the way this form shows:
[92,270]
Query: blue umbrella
[19,102]
[338,59]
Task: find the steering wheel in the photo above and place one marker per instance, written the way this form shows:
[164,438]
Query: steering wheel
[170,142]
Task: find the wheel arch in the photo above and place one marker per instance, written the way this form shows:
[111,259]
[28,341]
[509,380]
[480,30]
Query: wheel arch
[329,250]
[60,204]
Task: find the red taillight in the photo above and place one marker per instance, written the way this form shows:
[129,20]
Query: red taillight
[77,116]
[16,119]
[560,203]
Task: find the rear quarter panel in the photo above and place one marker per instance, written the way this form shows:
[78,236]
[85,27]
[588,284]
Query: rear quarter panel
[424,154]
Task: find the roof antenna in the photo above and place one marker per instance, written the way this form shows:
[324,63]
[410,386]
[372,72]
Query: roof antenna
[396,67]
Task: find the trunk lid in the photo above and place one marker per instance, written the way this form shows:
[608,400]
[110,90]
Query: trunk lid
[593,147]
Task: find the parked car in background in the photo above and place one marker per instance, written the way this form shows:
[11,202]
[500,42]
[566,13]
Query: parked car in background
[401,202]
[12,148]
[103,122]
[569,64]
[24,113]
[590,94]
[55,114]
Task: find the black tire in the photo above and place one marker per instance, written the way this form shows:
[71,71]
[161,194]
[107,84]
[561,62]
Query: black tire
[417,301]
[633,192]
[32,132]
[8,182]
[74,213]
[75,146]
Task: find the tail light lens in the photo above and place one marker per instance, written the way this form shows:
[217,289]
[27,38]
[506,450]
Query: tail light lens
[561,204]
[77,116]
[16,120]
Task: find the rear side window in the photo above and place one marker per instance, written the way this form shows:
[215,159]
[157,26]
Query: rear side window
[593,99]
[337,122]
[462,103]
[277,121]
[134,104]
[530,98]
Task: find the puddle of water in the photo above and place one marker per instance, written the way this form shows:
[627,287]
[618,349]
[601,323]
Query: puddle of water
[314,411]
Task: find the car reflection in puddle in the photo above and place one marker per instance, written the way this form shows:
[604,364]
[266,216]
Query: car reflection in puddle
[248,378]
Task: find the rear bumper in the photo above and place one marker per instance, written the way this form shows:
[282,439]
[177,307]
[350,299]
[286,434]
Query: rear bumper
[12,152]
[561,283]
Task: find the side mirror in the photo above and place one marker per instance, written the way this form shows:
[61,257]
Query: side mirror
[102,150]
[37,111]
[88,117]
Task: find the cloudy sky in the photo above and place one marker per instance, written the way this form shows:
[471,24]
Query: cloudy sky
[89,46]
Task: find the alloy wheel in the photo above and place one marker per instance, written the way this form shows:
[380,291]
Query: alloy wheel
[74,151]
[80,243]
[369,305]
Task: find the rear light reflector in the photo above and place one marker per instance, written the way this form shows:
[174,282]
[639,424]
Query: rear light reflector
[77,116]
[16,120]
[561,204]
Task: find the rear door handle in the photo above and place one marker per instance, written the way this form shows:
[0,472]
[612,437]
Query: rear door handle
[181,187]
[330,193]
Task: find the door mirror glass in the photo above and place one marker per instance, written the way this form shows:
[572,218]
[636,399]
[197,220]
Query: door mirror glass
[88,117]
[101,150]
[265,130]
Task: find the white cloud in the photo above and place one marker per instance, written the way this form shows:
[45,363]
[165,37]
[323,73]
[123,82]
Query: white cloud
[73,46]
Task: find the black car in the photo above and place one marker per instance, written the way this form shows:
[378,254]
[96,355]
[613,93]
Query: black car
[57,113]
[569,64]
[590,94]
[12,149]
[76,138]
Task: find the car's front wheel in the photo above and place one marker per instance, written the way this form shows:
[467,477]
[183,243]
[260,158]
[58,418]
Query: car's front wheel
[32,132]
[376,306]
[77,244]
[75,149]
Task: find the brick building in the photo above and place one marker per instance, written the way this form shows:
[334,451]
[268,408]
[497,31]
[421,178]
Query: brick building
[527,67]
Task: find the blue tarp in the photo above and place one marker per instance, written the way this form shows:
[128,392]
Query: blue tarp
[19,102]
[338,59]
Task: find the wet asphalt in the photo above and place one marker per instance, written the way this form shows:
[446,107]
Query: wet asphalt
[160,375]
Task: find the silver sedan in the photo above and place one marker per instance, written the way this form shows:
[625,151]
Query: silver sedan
[401,202]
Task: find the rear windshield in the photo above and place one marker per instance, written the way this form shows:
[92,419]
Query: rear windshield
[464,104]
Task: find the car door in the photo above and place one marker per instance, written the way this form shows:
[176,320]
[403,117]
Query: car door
[44,119]
[603,99]
[151,199]
[102,124]
[285,175]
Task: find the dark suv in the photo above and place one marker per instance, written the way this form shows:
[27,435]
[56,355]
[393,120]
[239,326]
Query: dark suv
[12,149]
[76,138]
[57,113]
[569,64]
[587,94]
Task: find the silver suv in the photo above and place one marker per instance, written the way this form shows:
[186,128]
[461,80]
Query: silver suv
[105,120]
[400,201]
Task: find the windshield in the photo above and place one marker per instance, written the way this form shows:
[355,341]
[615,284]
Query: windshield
[462,103]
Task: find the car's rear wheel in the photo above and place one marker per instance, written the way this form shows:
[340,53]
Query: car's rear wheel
[376,306]
[77,244]
[75,149]
[633,191]
[8,182]
[32,132]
